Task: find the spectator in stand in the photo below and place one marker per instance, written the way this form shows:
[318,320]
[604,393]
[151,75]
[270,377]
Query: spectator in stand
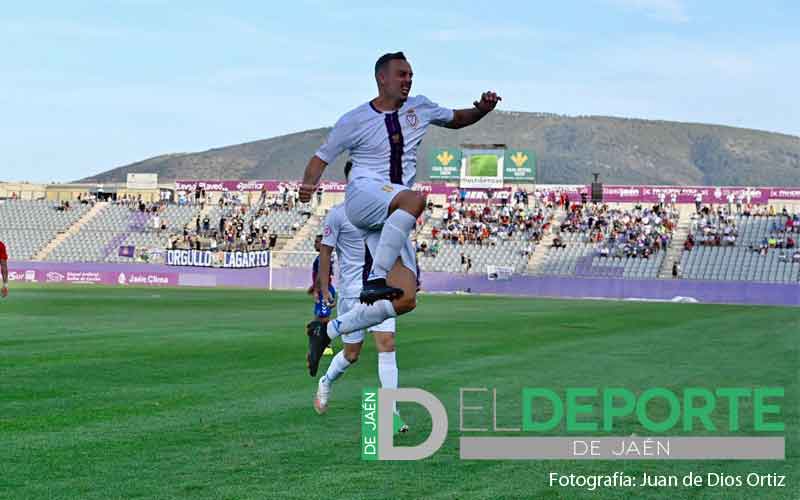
[698,201]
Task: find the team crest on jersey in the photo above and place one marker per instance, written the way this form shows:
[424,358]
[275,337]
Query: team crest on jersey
[411,118]
[327,231]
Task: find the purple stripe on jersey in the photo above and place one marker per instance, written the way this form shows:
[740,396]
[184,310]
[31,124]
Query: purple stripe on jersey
[374,108]
[395,148]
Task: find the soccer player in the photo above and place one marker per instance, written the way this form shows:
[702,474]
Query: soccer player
[322,308]
[341,235]
[382,137]
[4,269]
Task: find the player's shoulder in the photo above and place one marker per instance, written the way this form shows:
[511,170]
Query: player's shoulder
[356,114]
[335,213]
[419,101]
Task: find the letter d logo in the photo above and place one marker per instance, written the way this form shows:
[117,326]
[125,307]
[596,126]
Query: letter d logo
[377,417]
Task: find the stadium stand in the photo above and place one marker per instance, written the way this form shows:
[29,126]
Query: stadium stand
[27,226]
[725,246]
[121,225]
[551,236]
[238,227]
[472,237]
[600,241]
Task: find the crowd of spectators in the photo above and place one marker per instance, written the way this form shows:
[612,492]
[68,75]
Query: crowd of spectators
[487,224]
[620,233]
[717,226]
[238,229]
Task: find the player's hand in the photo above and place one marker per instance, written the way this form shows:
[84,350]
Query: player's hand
[312,290]
[4,292]
[327,298]
[487,102]
[306,190]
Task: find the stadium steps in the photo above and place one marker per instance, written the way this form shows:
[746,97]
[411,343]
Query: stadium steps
[676,244]
[539,253]
[93,212]
[293,244]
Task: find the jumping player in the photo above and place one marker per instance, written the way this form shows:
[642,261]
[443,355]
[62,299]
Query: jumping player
[382,137]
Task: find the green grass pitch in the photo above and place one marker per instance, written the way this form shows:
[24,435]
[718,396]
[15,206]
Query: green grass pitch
[111,393]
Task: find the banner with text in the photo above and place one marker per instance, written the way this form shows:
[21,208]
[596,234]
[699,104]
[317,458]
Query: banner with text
[273,186]
[445,164]
[519,166]
[228,260]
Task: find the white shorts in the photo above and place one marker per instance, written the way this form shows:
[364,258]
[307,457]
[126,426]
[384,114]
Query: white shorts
[344,305]
[366,202]
[367,207]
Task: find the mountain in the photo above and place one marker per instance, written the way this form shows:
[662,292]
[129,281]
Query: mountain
[569,149]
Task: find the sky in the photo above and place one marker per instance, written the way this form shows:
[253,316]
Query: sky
[89,86]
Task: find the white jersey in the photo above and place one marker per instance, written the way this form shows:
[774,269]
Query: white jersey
[340,234]
[383,146]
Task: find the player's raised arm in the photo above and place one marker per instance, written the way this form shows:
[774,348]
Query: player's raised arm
[466,117]
[311,178]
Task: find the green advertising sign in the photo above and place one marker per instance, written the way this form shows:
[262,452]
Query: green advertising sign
[445,164]
[519,166]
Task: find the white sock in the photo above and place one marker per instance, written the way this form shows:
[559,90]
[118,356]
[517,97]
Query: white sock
[360,317]
[387,371]
[394,235]
[338,365]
